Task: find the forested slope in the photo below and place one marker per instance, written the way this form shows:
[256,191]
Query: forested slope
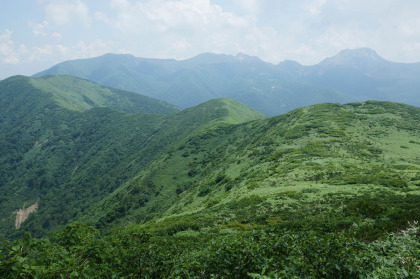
[68,153]
[312,159]
[326,191]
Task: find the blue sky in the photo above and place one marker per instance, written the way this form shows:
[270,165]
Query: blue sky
[36,34]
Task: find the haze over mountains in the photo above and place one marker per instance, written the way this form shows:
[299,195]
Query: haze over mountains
[115,184]
[351,75]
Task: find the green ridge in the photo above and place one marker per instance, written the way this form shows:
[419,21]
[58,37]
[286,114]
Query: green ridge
[213,191]
[58,147]
[310,153]
[79,94]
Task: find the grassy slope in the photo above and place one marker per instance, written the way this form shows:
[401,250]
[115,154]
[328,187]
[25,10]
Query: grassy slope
[43,143]
[71,158]
[312,193]
[309,161]
[78,94]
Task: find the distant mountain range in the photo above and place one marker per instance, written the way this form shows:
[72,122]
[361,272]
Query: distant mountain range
[363,74]
[351,75]
[101,182]
[77,151]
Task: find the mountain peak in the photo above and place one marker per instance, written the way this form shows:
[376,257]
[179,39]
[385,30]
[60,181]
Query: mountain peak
[208,58]
[353,58]
[247,58]
[224,110]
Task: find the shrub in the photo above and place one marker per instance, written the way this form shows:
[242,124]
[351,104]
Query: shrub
[365,206]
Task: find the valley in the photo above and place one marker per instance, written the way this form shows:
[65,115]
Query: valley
[209,139]
[130,186]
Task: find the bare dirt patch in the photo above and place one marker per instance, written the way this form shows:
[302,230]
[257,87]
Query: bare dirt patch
[23,213]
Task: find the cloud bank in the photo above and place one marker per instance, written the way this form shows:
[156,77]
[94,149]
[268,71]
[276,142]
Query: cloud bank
[306,31]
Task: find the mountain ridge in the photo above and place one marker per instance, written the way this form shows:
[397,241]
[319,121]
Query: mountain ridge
[214,190]
[117,188]
[349,76]
[208,172]
[51,150]
[81,94]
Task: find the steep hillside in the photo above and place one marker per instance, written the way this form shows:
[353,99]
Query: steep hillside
[186,83]
[70,153]
[326,191]
[305,162]
[78,94]
[20,92]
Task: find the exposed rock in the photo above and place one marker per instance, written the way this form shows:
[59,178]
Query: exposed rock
[23,213]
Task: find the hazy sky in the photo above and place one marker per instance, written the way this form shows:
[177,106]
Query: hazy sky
[35,35]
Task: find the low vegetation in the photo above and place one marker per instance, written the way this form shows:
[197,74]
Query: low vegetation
[214,191]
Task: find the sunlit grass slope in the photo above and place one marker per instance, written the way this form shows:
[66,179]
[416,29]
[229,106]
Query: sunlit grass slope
[69,147]
[213,191]
[305,163]
[80,94]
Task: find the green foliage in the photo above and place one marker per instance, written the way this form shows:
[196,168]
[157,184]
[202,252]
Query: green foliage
[365,206]
[75,255]
[79,94]
[249,172]
[59,147]
[246,202]
[295,132]
[132,252]
[322,192]
[75,234]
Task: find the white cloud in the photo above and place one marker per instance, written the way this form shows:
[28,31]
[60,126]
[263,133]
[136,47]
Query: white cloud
[410,28]
[59,52]
[182,45]
[95,48]
[313,7]
[100,16]
[61,12]
[56,35]
[35,57]
[120,4]
[340,38]
[44,29]
[39,28]
[250,6]
[8,54]
[184,28]
[306,31]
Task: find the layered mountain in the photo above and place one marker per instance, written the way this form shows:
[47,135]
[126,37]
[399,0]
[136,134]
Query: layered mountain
[213,191]
[186,83]
[351,75]
[213,164]
[66,143]
[114,184]
[363,74]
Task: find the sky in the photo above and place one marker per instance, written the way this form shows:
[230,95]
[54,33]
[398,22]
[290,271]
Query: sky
[37,34]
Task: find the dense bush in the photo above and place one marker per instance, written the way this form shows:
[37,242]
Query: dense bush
[77,252]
